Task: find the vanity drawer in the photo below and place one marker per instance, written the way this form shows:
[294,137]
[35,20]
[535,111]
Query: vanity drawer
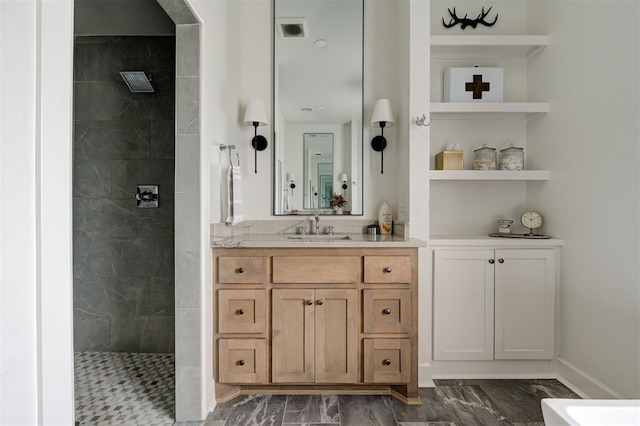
[239,270]
[242,361]
[387,360]
[387,311]
[387,269]
[316,269]
[241,311]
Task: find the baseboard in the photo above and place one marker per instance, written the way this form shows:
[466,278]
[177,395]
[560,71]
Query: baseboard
[424,376]
[585,385]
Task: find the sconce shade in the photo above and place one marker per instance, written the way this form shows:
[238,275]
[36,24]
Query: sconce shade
[255,113]
[382,114]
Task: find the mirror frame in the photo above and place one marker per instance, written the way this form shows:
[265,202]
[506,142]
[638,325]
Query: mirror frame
[275,167]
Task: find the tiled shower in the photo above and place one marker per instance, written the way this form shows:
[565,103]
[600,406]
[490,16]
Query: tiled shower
[123,255]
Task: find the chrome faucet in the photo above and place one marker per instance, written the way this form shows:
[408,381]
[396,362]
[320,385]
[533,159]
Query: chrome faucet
[317,218]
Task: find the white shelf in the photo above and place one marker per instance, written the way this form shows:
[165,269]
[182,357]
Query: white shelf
[486,47]
[488,175]
[519,108]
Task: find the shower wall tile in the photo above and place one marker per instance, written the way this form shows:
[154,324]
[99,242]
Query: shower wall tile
[188,336]
[188,111]
[178,11]
[187,163]
[162,143]
[91,331]
[187,268]
[188,227]
[124,268]
[91,178]
[188,50]
[158,334]
[108,140]
[127,174]
[188,391]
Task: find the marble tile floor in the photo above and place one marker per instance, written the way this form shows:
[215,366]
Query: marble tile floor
[451,403]
[138,389]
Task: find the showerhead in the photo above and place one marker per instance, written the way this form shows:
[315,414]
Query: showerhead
[137,81]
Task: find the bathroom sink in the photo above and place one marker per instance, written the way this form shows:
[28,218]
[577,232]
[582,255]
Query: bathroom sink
[311,238]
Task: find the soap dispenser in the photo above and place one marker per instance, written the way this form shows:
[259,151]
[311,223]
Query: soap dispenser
[385,219]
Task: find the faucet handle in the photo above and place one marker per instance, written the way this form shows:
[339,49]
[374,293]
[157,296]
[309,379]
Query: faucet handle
[303,230]
[330,230]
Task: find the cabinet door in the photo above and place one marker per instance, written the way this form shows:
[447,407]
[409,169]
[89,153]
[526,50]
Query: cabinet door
[463,304]
[525,296]
[387,311]
[241,311]
[387,360]
[336,329]
[292,343]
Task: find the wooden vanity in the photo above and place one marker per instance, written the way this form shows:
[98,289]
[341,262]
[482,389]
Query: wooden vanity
[307,320]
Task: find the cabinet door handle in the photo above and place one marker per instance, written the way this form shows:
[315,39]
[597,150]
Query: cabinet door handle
[387,269]
[240,312]
[386,362]
[320,302]
[386,311]
[309,302]
[240,362]
[491,261]
[240,270]
[501,260]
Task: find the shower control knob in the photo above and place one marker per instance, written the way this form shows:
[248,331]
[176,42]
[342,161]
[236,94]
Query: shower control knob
[309,302]
[386,311]
[240,312]
[240,270]
[386,362]
[240,362]
[387,269]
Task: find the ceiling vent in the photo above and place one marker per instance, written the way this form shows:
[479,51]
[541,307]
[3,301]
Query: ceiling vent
[292,27]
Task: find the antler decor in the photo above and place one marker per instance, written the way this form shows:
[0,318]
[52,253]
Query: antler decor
[468,22]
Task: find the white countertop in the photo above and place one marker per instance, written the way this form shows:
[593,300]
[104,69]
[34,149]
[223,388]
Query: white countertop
[315,241]
[485,240]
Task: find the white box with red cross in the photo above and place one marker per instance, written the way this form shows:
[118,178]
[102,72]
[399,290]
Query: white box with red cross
[473,84]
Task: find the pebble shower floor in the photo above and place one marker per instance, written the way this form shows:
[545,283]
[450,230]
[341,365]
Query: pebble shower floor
[114,388]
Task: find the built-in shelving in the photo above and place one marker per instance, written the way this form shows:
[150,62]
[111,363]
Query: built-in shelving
[520,108]
[486,46]
[488,175]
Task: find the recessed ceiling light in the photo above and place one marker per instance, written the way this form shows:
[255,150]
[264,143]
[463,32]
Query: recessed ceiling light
[321,43]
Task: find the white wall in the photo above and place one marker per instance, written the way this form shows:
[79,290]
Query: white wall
[589,141]
[36,362]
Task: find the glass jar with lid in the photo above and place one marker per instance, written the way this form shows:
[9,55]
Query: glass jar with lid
[512,158]
[484,158]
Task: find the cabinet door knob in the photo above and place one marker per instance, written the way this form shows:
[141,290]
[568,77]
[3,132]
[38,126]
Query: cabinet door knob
[386,311]
[320,302]
[491,261]
[240,362]
[240,270]
[240,312]
[386,362]
[387,269]
[501,260]
[309,302]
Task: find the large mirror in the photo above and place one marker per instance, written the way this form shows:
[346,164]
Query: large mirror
[318,105]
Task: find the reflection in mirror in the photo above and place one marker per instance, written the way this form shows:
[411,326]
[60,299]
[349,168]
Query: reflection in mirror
[318,62]
[318,170]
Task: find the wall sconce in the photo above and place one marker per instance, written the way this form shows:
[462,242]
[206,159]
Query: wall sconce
[291,179]
[344,179]
[382,118]
[256,116]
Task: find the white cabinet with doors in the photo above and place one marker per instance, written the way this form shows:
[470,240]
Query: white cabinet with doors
[494,303]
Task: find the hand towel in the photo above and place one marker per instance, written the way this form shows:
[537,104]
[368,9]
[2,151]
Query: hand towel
[235,210]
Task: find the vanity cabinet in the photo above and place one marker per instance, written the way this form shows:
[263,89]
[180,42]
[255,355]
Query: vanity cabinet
[314,337]
[321,320]
[494,304]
